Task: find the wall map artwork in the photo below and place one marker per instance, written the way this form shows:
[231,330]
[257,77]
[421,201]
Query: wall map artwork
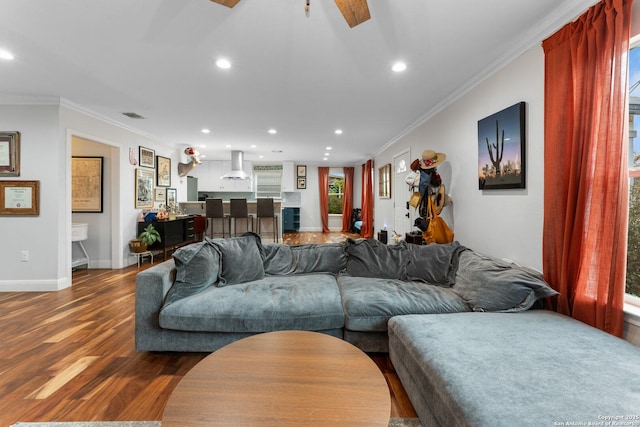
[86,184]
[501,149]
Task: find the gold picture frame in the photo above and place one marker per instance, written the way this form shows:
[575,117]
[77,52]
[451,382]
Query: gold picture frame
[163,171]
[9,154]
[384,181]
[144,188]
[20,198]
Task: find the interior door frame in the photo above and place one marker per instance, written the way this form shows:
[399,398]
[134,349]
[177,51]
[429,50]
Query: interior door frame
[400,193]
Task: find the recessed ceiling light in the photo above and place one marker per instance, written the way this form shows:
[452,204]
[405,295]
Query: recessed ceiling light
[202,146]
[5,54]
[326,154]
[338,132]
[272,131]
[260,156]
[253,145]
[324,158]
[399,66]
[227,146]
[223,63]
[202,156]
[205,131]
[328,148]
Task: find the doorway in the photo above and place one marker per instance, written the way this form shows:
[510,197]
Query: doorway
[104,242]
[402,215]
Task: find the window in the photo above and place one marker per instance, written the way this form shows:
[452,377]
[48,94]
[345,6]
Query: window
[268,183]
[336,191]
[633,250]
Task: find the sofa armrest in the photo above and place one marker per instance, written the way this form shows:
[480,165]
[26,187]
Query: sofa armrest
[152,286]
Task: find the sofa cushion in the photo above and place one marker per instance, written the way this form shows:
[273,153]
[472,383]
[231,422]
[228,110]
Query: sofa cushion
[434,263]
[240,259]
[371,258]
[197,267]
[323,258]
[301,302]
[369,303]
[524,369]
[487,284]
[278,259]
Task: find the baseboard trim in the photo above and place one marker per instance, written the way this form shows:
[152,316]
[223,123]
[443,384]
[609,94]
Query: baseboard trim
[34,285]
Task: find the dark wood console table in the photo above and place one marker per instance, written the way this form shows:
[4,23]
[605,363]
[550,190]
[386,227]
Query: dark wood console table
[174,233]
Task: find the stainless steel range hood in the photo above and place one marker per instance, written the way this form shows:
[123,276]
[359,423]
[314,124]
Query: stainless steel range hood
[237,159]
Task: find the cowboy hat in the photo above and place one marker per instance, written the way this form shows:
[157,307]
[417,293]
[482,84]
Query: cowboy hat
[431,159]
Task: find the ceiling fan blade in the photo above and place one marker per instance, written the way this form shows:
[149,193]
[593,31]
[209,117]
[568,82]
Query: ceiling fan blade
[228,3]
[354,11]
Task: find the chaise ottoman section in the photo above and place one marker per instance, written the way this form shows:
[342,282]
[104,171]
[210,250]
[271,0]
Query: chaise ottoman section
[534,368]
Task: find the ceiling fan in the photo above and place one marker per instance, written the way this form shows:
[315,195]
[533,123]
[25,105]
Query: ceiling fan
[354,11]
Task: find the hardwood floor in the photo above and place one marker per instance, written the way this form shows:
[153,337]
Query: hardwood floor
[70,356]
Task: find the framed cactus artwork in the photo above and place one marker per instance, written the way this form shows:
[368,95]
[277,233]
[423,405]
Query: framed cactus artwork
[501,149]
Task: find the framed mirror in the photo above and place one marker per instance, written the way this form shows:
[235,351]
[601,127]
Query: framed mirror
[384,181]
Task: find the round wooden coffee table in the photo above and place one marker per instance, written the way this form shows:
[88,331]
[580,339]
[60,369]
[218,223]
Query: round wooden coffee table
[286,378]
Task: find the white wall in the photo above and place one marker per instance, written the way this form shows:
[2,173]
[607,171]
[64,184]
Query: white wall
[46,149]
[41,160]
[501,223]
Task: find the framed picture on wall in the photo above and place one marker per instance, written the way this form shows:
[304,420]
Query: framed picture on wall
[163,171]
[9,154]
[86,184]
[147,157]
[172,197]
[144,188]
[384,181]
[20,198]
[501,149]
[302,171]
[302,183]
[160,195]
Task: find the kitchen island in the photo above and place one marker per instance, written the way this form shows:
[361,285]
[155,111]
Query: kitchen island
[200,208]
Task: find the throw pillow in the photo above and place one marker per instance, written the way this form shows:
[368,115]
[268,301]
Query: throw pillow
[197,267]
[487,284]
[371,258]
[435,263]
[240,259]
[313,258]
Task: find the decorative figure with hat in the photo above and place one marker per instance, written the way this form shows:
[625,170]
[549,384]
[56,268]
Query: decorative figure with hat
[429,182]
[185,168]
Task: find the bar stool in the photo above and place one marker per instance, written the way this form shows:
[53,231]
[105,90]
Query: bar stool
[265,209]
[239,210]
[215,211]
[199,227]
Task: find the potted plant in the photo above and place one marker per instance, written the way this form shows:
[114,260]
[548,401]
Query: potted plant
[147,238]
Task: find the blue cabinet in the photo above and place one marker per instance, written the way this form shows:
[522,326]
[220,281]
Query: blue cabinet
[291,219]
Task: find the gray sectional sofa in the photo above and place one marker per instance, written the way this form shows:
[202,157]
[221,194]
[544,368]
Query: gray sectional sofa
[220,290]
[443,312]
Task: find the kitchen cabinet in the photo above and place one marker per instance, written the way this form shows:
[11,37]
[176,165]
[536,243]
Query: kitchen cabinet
[291,219]
[210,173]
